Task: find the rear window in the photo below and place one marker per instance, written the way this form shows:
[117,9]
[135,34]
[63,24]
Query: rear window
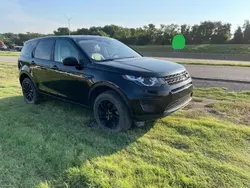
[28,48]
[43,49]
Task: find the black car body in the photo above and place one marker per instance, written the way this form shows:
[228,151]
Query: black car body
[81,79]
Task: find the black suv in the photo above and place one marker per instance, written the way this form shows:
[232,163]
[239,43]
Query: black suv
[104,74]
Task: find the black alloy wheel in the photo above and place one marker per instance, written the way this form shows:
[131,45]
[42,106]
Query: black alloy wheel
[108,114]
[111,112]
[29,91]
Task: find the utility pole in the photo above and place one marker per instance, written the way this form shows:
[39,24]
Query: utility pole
[69,19]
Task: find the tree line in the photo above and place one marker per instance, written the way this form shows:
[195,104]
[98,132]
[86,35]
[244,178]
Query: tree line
[207,32]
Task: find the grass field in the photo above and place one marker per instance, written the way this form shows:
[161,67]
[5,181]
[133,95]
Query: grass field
[50,145]
[202,48]
[7,53]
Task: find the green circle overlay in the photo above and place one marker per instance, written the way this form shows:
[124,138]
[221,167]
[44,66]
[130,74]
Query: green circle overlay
[178,42]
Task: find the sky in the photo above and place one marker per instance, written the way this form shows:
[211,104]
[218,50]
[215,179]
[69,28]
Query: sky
[45,16]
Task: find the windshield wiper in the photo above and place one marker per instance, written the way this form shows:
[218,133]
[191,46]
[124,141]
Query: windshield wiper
[112,59]
[126,57]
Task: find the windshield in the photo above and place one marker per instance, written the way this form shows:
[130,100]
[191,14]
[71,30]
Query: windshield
[104,49]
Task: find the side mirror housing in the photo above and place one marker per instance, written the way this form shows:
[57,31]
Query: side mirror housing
[70,61]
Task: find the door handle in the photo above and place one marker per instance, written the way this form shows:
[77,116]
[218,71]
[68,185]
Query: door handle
[54,67]
[87,76]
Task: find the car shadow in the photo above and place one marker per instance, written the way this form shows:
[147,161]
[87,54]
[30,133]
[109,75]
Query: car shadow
[49,138]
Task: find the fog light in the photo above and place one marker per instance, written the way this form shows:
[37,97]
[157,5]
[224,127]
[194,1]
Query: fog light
[148,105]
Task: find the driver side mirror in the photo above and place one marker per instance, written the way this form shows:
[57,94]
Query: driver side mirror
[70,61]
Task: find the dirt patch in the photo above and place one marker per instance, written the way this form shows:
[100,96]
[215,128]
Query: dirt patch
[198,103]
[237,112]
[197,107]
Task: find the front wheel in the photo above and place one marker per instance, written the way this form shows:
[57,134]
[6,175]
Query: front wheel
[111,113]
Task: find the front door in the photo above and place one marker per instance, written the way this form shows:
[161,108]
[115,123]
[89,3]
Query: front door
[70,82]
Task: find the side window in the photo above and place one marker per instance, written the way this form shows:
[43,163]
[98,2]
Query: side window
[28,48]
[63,49]
[43,49]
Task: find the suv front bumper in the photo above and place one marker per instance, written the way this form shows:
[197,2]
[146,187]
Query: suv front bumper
[167,112]
[160,102]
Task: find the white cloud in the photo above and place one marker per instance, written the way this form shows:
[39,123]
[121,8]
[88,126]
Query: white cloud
[14,19]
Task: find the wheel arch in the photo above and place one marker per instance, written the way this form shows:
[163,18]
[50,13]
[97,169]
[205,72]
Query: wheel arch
[101,87]
[23,75]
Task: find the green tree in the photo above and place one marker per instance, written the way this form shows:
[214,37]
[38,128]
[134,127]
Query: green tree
[207,29]
[246,32]
[205,32]
[82,31]
[238,36]
[186,31]
[195,34]
[97,31]
[22,37]
[222,33]
[110,30]
[2,38]
[10,38]
[62,31]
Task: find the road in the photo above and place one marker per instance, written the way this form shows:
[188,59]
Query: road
[220,72]
[186,60]
[10,59]
[230,85]
[231,73]
[203,72]
[208,56]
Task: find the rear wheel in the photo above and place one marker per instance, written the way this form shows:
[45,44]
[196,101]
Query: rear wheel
[30,93]
[111,113]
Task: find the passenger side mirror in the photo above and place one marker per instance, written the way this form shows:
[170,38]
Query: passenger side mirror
[70,61]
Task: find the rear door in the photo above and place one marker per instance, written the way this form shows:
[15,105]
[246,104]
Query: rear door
[43,65]
[25,58]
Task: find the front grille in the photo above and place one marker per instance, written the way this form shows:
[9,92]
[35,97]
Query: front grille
[177,78]
[178,102]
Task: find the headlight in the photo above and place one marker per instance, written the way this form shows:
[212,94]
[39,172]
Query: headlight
[144,81]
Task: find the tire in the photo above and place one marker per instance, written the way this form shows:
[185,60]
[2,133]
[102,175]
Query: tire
[122,123]
[33,98]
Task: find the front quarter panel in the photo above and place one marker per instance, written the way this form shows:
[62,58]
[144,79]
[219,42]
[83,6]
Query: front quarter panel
[106,78]
[134,93]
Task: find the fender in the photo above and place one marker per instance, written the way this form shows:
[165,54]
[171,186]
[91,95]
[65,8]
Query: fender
[112,86]
[25,70]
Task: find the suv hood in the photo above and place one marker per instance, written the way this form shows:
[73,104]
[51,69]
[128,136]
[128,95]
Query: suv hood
[142,66]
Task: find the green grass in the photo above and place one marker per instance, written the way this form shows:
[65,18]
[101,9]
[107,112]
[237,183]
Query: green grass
[50,145]
[202,48]
[6,53]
